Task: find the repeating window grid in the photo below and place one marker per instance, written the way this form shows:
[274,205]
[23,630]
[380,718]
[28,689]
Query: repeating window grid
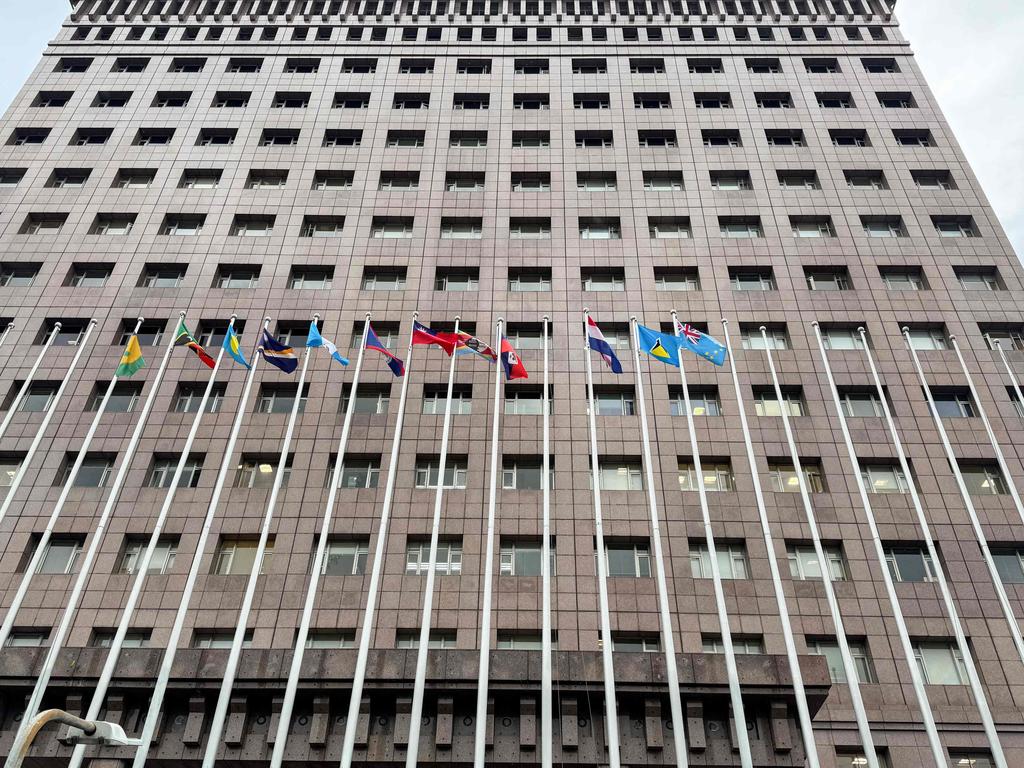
[448,562]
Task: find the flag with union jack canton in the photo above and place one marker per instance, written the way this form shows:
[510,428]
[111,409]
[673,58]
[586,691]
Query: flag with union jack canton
[700,343]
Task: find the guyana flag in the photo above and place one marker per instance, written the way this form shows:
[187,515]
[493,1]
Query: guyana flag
[131,359]
[183,338]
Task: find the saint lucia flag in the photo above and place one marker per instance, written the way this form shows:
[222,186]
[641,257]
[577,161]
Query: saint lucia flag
[233,346]
[663,346]
[316,340]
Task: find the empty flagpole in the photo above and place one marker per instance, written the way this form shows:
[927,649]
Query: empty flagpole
[802,709]
[412,752]
[285,716]
[934,742]
[78,588]
[988,429]
[979,533]
[376,568]
[6,333]
[998,345]
[227,682]
[40,548]
[735,692]
[41,431]
[480,739]
[667,633]
[166,665]
[546,702]
[142,565]
[980,699]
[13,409]
[853,681]
[610,704]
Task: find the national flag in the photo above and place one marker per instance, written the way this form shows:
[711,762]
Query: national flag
[510,360]
[596,341]
[131,358]
[467,344]
[394,363]
[663,346]
[183,338]
[445,340]
[316,340]
[277,354]
[700,343]
[233,346]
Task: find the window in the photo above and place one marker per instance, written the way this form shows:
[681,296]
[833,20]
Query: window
[804,564]
[103,99]
[280,398]
[346,138]
[596,181]
[9,465]
[84,137]
[351,66]
[676,279]
[704,401]
[840,336]
[941,663]
[38,397]
[60,555]
[461,228]
[279,137]
[785,137]
[438,639]
[18,275]
[647,66]
[663,181]
[829,648]
[189,395]
[161,562]
[821,66]
[955,226]
[290,100]
[531,101]
[896,100]
[27,638]
[705,66]
[782,477]
[1010,564]
[448,562]
[331,180]
[216,137]
[834,100]
[456,279]
[258,471]
[720,138]
[112,224]
[657,100]
[927,336]
[712,100]
[849,137]
[752,279]
[467,101]
[593,139]
[628,560]
[320,226]
[94,472]
[902,278]
[740,227]
[126,65]
[860,402]
[603,280]
[969,759]
[983,478]
[61,98]
[827,278]
[742,645]
[436,396]
[383,279]
[591,101]
[455,471]
[597,228]
[933,179]
[172,99]
[798,179]
[589,66]
[522,557]
[236,276]
[880,66]
[133,638]
[345,558]
[162,276]
[883,226]
[359,471]
[521,182]
[650,138]
[252,226]
[767,404]
[229,100]
[525,400]
[473,139]
[9,177]
[913,137]
[774,336]
[883,477]
[371,399]
[183,224]
[773,100]
[391,227]
[1009,335]
[731,557]
[953,402]
[21,137]
[669,227]
[530,139]
[730,180]
[72,65]
[717,474]
[473,67]
[190,66]
[525,473]
[620,474]
[200,179]
[213,638]
[812,226]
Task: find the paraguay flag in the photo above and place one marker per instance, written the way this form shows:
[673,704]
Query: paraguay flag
[596,341]
[394,363]
[277,354]
[511,362]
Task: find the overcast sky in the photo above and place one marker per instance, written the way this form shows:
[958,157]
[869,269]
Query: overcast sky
[970,52]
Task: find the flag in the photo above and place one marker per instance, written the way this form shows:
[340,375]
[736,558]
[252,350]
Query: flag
[316,340]
[277,354]
[233,346]
[467,344]
[596,341]
[514,368]
[700,343]
[423,335]
[131,358]
[183,338]
[394,363]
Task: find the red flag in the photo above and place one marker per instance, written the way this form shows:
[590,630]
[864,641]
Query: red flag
[423,335]
[510,361]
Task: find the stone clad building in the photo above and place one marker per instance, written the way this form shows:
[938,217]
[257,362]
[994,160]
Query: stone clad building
[772,162]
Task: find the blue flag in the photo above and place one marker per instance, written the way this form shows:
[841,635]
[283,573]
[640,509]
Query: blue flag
[700,343]
[233,346]
[316,340]
[665,347]
[394,363]
[277,354]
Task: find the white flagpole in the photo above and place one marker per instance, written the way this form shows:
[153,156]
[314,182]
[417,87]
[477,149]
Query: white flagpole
[980,698]
[28,379]
[163,677]
[546,703]
[6,333]
[853,682]
[667,634]
[802,708]
[142,565]
[480,740]
[57,643]
[213,742]
[412,752]
[610,703]
[998,345]
[285,717]
[735,692]
[979,533]
[377,567]
[40,550]
[934,742]
[19,475]
[989,431]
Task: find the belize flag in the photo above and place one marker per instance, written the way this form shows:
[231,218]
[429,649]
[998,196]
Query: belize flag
[511,362]
[394,363]
[596,341]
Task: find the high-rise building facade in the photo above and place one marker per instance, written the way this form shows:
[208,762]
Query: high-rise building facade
[776,163]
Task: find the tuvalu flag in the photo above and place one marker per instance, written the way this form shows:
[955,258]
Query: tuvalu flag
[665,347]
[183,338]
[131,358]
